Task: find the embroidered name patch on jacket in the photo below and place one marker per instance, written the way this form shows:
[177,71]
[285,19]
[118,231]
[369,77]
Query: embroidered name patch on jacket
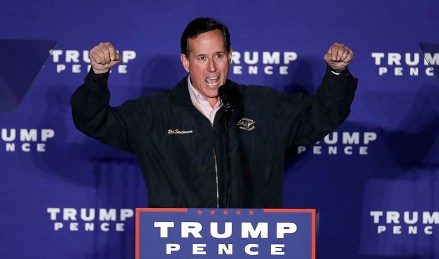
[179,132]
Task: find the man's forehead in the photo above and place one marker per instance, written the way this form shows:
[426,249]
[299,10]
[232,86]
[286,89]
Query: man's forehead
[209,42]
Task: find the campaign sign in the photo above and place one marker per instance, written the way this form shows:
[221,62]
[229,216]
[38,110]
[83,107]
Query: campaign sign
[230,233]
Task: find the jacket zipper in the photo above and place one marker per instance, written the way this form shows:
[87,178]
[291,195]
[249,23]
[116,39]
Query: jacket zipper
[214,159]
[216,179]
[216,171]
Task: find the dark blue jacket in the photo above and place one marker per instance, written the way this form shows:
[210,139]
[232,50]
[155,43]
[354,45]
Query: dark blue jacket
[188,162]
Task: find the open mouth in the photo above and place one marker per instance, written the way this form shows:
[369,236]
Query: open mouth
[212,81]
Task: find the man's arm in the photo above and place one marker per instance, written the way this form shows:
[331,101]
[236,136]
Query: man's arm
[330,106]
[91,112]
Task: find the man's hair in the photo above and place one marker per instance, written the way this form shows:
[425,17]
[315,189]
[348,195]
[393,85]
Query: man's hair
[199,26]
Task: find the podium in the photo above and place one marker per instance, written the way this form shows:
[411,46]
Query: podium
[228,233]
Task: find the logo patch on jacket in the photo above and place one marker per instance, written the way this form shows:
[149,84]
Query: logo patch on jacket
[246,124]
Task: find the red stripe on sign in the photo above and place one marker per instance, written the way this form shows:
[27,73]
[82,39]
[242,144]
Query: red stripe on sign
[161,210]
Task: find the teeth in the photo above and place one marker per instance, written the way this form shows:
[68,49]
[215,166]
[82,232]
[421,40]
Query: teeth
[212,81]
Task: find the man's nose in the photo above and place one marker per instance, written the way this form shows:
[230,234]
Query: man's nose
[212,65]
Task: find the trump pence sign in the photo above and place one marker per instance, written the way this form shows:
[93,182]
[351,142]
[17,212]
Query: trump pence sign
[228,233]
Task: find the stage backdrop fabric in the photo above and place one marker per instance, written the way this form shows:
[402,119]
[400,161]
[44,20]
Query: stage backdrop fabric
[374,181]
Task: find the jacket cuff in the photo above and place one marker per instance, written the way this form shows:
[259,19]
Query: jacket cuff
[342,74]
[100,80]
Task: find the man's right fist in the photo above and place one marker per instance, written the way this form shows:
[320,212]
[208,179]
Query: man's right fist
[103,57]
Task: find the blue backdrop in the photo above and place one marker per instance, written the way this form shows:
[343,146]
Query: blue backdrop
[374,180]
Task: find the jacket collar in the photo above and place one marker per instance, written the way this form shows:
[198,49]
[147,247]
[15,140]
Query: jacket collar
[180,94]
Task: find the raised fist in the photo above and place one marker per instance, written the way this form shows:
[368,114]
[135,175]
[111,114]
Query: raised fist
[339,56]
[103,57]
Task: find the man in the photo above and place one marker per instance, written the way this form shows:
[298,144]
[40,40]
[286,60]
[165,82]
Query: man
[198,149]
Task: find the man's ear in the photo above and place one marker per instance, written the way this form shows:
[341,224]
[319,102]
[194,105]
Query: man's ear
[184,62]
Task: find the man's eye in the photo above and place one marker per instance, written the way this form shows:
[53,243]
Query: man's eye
[221,55]
[201,58]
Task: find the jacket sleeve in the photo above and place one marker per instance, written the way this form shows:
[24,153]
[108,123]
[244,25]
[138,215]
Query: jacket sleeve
[93,116]
[321,113]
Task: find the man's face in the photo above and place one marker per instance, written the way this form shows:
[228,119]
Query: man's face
[207,63]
